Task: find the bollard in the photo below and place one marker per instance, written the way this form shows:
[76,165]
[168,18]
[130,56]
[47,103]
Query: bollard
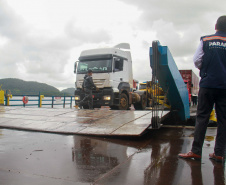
[52,101]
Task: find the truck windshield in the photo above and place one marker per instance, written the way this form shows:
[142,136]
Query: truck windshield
[142,86]
[97,66]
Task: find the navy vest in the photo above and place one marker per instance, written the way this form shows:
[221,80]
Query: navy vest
[213,70]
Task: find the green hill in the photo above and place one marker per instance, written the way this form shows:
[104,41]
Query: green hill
[21,87]
[69,91]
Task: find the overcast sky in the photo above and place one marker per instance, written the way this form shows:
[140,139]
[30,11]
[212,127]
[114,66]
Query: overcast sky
[41,39]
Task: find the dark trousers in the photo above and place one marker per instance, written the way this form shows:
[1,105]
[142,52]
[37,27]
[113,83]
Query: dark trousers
[194,100]
[207,98]
[87,99]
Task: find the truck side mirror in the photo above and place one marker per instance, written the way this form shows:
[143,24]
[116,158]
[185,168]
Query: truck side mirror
[75,66]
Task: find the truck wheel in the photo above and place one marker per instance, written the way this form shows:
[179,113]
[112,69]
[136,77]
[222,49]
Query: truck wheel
[123,104]
[113,107]
[144,102]
[85,106]
[98,106]
[141,105]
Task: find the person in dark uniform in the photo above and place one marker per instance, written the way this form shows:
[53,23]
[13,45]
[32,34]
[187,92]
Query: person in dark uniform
[210,58]
[87,87]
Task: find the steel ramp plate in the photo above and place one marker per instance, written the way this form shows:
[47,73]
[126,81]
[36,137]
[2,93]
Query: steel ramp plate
[101,122]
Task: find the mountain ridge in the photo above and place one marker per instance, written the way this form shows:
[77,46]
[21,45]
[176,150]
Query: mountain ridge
[22,87]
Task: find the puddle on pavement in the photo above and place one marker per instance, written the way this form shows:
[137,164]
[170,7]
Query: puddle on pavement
[27,157]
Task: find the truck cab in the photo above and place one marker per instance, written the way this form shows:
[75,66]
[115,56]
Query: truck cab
[112,74]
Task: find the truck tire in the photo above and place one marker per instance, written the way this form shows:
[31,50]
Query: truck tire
[123,104]
[113,107]
[98,106]
[85,106]
[142,104]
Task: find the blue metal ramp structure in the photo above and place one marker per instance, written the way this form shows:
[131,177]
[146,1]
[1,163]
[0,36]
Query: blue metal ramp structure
[170,79]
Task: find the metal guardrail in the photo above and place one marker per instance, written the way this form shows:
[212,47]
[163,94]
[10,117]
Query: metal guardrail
[40,101]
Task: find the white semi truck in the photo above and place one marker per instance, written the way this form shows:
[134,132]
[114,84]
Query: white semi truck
[112,74]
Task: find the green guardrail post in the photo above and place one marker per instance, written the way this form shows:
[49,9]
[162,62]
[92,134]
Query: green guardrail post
[71,102]
[39,99]
[52,101]
[64,101]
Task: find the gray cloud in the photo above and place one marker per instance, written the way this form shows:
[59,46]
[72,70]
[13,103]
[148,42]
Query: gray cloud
[178,24]
[10,23]
[31,55]
[83,35]
[181,13]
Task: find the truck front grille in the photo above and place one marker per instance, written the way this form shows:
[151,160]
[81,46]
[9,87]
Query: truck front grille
[98,83]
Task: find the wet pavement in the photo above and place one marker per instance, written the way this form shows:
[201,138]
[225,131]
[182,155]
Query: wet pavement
[102,122]
[43,158]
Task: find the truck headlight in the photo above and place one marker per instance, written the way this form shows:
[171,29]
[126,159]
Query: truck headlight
[107,98]
[77,97]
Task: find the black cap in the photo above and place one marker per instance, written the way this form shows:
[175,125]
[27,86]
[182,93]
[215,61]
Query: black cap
[90,71]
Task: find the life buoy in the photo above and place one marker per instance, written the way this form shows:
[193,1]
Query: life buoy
[25,99]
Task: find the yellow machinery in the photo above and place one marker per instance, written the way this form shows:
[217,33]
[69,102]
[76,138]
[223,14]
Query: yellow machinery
[157,94]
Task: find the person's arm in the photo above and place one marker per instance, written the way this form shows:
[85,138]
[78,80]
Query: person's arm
[197,59]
